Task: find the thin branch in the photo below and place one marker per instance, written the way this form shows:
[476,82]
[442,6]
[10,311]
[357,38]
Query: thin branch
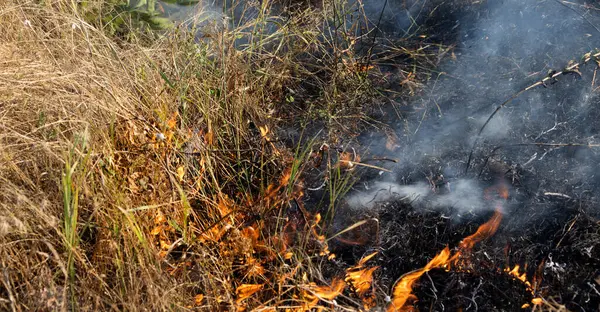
[370,54]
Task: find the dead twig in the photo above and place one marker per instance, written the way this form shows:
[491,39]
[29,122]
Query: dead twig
[380,159]
[7,286]
[370,53]
[352,164]
[567,231]
[557,195]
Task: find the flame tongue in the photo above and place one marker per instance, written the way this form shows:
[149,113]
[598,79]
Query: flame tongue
[489,228]
[403,289]
[484,231]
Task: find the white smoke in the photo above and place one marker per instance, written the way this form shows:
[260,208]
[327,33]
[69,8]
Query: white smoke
[505,47]
[386,191]
[463,196]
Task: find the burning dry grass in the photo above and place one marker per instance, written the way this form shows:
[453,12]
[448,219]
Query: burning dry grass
[148,176]
[403,297]
[133,177]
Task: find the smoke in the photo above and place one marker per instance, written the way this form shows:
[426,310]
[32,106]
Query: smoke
[464,197]
[501,48]
[386,191]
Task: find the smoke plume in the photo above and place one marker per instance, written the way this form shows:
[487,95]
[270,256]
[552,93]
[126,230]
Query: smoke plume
[501,48]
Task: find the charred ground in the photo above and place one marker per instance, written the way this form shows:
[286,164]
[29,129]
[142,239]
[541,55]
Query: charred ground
[542,144]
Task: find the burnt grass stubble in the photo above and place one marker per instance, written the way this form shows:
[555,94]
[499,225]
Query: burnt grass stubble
[554,237]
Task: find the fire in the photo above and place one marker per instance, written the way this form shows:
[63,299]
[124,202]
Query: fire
[484,231]
[531,287]
[244,292]
[537,301]
[360,278]
[491,226]
[328,292]
[314,293]
[273,189]
[403,289]
[522,277]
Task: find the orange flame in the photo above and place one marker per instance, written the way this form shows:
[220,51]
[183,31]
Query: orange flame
[523,278]
[515,273]
[329,292]
[314,293]
[484,231]
[361,280]
[489,228]
[537,301]
[244,291]
[403,289]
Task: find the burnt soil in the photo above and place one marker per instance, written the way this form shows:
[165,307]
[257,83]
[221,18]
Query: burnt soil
[551,224]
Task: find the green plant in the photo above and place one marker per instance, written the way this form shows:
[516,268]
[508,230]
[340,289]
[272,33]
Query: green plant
[72,181]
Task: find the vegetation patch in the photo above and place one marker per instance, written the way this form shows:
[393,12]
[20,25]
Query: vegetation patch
[151,170]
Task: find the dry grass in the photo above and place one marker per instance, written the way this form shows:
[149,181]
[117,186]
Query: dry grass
[147,176]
